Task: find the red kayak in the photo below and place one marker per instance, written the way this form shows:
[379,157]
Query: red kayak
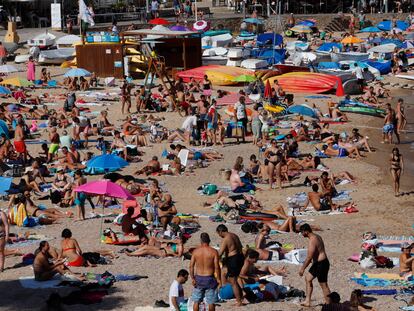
[289,68]
[309,82]
[199,72]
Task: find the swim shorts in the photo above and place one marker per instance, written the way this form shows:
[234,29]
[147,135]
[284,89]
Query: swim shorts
[388,128]
[234,265]
[53,148]
[20,146]
[320,270]
[206,287]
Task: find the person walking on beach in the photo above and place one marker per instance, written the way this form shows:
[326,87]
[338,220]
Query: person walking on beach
[205,274]
[320,264]
[31,69]
[234,260]
[396,169]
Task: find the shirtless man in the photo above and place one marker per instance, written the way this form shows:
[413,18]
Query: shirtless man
[261,244]
[153,166]
[19,143]
[234,260]
[128,127]
[388,127]
[323,202]
[43,270]
[205,273]
[320,265]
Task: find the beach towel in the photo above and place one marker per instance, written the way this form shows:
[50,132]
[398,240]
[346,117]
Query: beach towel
[183,156]
[5,183]
[368,282]
[30,282]
[380,292]
[384,276]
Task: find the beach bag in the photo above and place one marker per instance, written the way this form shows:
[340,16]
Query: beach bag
[29,222]
[384,262]
[209,189]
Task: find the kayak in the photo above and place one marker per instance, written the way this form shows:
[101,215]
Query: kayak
[212,33]
[257,216]
[199,72]
[370,111]
[309,82]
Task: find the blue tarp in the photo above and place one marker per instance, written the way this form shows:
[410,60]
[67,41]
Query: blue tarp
[5,183]
[273,38]
[272,56]
[307,22]
[383,67]
[398,43]
[387,26]
[326,47]
[328,65]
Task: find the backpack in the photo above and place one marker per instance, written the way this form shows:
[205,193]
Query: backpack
[209,189]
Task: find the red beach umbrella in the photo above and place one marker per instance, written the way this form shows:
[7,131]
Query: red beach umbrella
[159,21]
[268,90]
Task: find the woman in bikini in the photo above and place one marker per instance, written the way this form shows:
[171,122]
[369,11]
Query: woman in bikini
[172,248]
[4,236]
[207,86]
[273,160]
[71,251]
[396,169]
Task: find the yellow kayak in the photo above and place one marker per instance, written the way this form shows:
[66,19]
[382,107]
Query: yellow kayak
[274,109]
[220,78]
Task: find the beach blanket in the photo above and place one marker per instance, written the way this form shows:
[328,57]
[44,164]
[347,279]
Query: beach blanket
[380,292]
[30,282]
[27,242]
[301,197]
[310,211]
[381,280]
[390,244]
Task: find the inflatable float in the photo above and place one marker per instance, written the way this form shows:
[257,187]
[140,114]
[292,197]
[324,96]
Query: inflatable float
[221,74]
[370,111]
[274,109]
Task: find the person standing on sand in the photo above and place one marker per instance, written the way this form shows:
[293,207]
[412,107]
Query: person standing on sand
[31,69]
[396,169]
[205,274]
[19,143]
[320,265]
[388,127]
[4,236]
[234,261]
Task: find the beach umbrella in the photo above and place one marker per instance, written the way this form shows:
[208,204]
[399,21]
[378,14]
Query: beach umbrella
[408,45]
[106,188]
[4,128]
[302,110]
[252,20]
[179,28]
[351,40]
[201,25]
[20,82]
[4,91]
[370,29]
[159,21]
[77,72]
[107,162]
[301,29]
[8,69]
[244,79]
[268,89]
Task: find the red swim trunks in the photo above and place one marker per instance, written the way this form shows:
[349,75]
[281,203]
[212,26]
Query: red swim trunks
[20,146]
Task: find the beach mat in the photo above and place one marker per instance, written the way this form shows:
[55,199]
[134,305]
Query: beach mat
[368,282]
[30,282]
[5,183]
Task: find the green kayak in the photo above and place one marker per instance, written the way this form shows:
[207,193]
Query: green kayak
[370,111]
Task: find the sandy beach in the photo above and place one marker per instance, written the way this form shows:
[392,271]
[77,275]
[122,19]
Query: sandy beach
[379,212]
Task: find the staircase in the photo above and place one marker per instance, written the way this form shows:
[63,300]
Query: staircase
[337,24]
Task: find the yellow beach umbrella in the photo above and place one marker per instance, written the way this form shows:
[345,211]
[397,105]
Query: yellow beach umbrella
[20,82]
[351,40]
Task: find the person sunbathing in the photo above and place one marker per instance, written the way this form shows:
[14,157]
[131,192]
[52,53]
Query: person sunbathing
[341,152]
[322,202]
[168,249]
[261,245]
[309,162]
[153,166]
[406,260]
[166,210]
[70,251]
[336,178]
[128,127]
[44,270]
[251,274]
[49,213]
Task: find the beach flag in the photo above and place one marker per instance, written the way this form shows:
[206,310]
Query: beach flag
[85,13]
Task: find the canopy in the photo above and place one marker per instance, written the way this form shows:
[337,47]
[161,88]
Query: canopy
[351,40]
[302,110]
[159,21]
[106,188]
[301,29]
[20,82]
[108,162]
[77,72]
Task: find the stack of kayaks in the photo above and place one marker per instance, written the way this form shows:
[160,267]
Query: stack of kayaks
[370,111]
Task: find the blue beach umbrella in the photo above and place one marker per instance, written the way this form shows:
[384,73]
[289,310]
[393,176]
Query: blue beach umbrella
[408,45]
[4,128]
[307,23]
[106,162]
[371,29]
[77,72]
[302,110]
[4,91]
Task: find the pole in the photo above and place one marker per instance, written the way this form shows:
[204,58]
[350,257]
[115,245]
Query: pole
[268,8]
[195,10]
